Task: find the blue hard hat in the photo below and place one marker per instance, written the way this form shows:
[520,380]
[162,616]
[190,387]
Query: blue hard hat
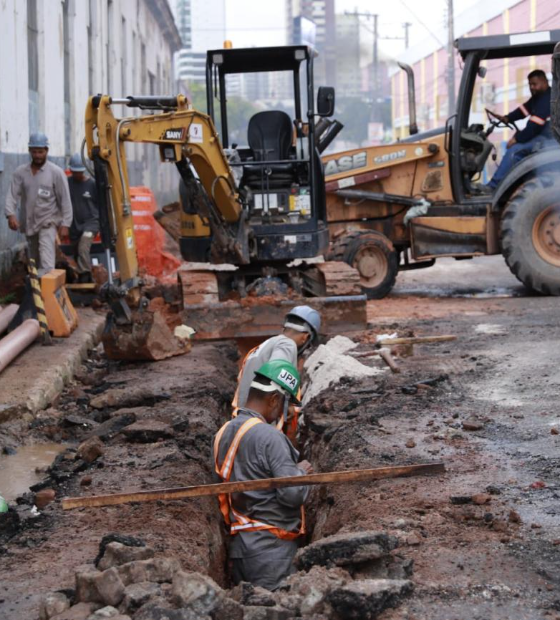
[76,164]
[308,315]
[38,141]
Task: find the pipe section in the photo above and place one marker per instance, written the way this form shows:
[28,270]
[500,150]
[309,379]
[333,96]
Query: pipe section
[6,316]
[17,341]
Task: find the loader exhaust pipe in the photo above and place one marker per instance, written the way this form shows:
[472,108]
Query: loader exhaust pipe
[412,126]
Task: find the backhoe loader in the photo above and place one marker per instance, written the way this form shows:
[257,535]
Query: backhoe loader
[246,214]
[404,205]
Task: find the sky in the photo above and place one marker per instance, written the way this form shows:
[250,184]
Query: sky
[262,22]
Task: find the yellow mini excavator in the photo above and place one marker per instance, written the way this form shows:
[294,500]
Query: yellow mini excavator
[247,214]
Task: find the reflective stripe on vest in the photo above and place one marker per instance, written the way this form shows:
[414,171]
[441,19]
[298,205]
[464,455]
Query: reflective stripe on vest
[243,523]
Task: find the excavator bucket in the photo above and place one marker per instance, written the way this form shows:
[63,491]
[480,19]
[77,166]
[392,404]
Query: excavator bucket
[261,319]
[336,286]
[145,337]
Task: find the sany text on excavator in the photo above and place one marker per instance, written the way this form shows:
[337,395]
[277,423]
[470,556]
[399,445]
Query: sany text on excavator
[258,209]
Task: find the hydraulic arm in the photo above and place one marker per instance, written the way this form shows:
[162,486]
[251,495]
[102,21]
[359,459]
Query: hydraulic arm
[185,137]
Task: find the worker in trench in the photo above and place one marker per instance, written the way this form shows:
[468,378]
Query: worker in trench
[42,188]
[264,526]
[301,331]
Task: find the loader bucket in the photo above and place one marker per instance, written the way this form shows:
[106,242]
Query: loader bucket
[146,337]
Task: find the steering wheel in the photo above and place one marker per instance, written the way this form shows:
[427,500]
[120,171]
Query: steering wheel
[497,122]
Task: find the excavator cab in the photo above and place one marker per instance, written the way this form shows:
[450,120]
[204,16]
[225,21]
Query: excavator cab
[273,150]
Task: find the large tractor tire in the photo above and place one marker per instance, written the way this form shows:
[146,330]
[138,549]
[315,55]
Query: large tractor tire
[530,233]
[373,256]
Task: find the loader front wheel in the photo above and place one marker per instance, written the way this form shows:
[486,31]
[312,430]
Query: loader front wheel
[372,254]
[530,234]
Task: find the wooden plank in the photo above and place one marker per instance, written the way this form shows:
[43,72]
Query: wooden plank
[340,477]
[415,340]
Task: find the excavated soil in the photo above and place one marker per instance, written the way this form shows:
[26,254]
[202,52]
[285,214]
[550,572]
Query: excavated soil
[484,537]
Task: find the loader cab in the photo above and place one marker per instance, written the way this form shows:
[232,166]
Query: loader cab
[262,102]
[476,142]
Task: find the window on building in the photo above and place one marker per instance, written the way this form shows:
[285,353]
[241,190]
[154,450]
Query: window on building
[143,68]
[91,46]
[67,77]
[109,46]
[33,65]
[124,63]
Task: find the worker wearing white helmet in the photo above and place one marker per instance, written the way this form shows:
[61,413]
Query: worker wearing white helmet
[41,188]
[301,330]
[85,225]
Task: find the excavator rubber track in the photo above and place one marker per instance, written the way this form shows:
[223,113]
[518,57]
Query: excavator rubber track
[342,306]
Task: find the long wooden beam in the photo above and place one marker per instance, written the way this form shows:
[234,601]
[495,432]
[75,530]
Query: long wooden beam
[337,477]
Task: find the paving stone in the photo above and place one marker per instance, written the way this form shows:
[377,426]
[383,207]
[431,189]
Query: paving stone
[117,554]
[99,587]
[366,599]
[147,431]
[81,611]
[195,591]
[345,549]
[91,449]
[54,603]
[161,611]
[138,594]
[114,425]
[158,570]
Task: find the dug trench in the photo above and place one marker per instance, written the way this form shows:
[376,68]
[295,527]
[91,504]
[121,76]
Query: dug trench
[477,542]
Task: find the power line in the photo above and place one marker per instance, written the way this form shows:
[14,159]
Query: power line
[421,22]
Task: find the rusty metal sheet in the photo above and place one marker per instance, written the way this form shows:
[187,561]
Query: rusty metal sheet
[254,318]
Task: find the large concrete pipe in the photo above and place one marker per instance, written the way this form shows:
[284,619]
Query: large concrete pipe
[17,341]
[6,315]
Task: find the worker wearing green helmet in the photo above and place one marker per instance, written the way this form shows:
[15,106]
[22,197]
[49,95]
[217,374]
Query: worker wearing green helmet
[264,525]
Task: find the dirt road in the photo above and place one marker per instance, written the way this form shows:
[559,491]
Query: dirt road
[484,538]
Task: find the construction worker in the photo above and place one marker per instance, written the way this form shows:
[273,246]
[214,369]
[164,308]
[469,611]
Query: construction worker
[264,525]
[301,329]
[536,133]
[85,224]
[45,203]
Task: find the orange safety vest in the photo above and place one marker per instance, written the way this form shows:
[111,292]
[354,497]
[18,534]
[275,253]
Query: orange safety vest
[243,523]
[291,429]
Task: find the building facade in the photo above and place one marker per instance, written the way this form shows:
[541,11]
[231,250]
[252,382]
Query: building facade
[53,55]
[202,26]
[505,84]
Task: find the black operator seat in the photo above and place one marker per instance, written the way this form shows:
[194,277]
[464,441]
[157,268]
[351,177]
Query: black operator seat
[270,139]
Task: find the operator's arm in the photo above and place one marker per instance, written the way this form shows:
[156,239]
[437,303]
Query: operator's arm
[278,458]
[62,193]
[521,112]
[540,112]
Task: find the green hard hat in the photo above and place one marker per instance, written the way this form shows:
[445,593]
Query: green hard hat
[283,375]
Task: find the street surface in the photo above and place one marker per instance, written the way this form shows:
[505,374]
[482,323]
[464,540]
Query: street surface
[484,538]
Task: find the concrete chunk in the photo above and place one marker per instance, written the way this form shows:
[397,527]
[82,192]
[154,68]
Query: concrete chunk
[345,549]
[158,570]
[99,587]
[365,600]
[195,591]
[117,554]
[54,603]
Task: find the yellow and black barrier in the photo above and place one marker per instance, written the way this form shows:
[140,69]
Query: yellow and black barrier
[38,301]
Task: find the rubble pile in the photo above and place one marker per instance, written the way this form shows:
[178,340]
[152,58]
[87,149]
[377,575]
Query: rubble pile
[129,581]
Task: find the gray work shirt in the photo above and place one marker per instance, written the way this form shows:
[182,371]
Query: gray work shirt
[45,199]
[276,348]
[264,452]
[84,204]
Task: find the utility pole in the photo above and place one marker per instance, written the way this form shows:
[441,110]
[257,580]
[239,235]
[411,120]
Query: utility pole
[375,60]
[450,60]
[406,26]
